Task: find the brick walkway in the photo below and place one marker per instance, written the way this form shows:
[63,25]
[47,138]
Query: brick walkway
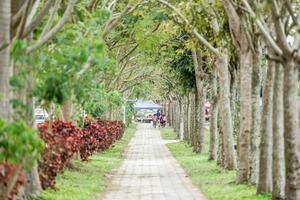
[149,171]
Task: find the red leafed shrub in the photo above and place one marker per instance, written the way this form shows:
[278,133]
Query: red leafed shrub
[115,128]
[91,136]
[66,139]
[62,142]
[99,135]
[7,173]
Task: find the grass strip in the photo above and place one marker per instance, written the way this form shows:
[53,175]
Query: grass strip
[213,181]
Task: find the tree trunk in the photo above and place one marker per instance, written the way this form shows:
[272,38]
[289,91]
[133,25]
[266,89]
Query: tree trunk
[5,67]
[190,119]
[169,113]
[193,113]
[67,110]
[201,120]
[178,118]
[278,169]
[186,122]
[201,95]
[255,125]
[196,122]
[213,120]
[235,101]
[220,154]
[174,115]
[181,116]
[265,160]
[245,116]
[32,184]
[226,117]
[291,130]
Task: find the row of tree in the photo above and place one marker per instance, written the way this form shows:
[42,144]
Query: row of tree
[56,54]
[75,57]
[243,57]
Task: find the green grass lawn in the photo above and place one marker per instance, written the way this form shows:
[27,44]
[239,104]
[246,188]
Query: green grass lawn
[88,178]
[167,133]
[214,182]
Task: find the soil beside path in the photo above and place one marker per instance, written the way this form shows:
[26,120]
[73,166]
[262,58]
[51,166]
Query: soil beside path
[149,171]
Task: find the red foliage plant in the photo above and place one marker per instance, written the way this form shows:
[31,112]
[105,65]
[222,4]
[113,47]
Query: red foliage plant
[12,177]
[99,135]
[66,139]
[63,140]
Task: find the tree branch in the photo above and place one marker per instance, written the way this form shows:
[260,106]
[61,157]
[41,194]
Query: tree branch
[112,22]
[86,66]
[55,29]
[262,29]
[37,20]
[51,17]
[279,30]
[194,30]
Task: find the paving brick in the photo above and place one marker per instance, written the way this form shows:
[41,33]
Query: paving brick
[150,172]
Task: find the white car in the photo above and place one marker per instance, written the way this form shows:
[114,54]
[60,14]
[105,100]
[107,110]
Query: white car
[40,115]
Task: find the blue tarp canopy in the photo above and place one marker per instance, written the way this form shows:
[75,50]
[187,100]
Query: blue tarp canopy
[146,105]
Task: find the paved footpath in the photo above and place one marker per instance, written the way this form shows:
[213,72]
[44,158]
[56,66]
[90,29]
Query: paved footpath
[149,171]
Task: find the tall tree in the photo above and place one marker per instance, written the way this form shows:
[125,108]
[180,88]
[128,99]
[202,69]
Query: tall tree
[288,55]
[265,160]
[5,65]
[240,39]
[278,169]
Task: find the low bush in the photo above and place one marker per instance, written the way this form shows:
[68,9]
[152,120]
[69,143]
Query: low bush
[63,141]
[93,137]
[99,135]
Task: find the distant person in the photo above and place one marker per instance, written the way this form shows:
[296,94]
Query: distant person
[158,114]
[163,120]
[154,120]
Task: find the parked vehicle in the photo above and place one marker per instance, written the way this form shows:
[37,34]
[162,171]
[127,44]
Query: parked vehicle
[40,115]
[144,118]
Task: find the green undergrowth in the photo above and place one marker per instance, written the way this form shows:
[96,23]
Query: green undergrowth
[214,182]
[168,134]
[87,179]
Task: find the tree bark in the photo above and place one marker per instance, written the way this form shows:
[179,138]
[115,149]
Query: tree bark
[291,130]
[265,160]
[213,120]
[201,119]
[193,114]
[201,95]
[178,118]
[186,122]
[245,116]
[181,116]
[67,110]
[278,169]
[32,185]
[226,117]
[190,119]
[5,67]
[255,125]
[220,154]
